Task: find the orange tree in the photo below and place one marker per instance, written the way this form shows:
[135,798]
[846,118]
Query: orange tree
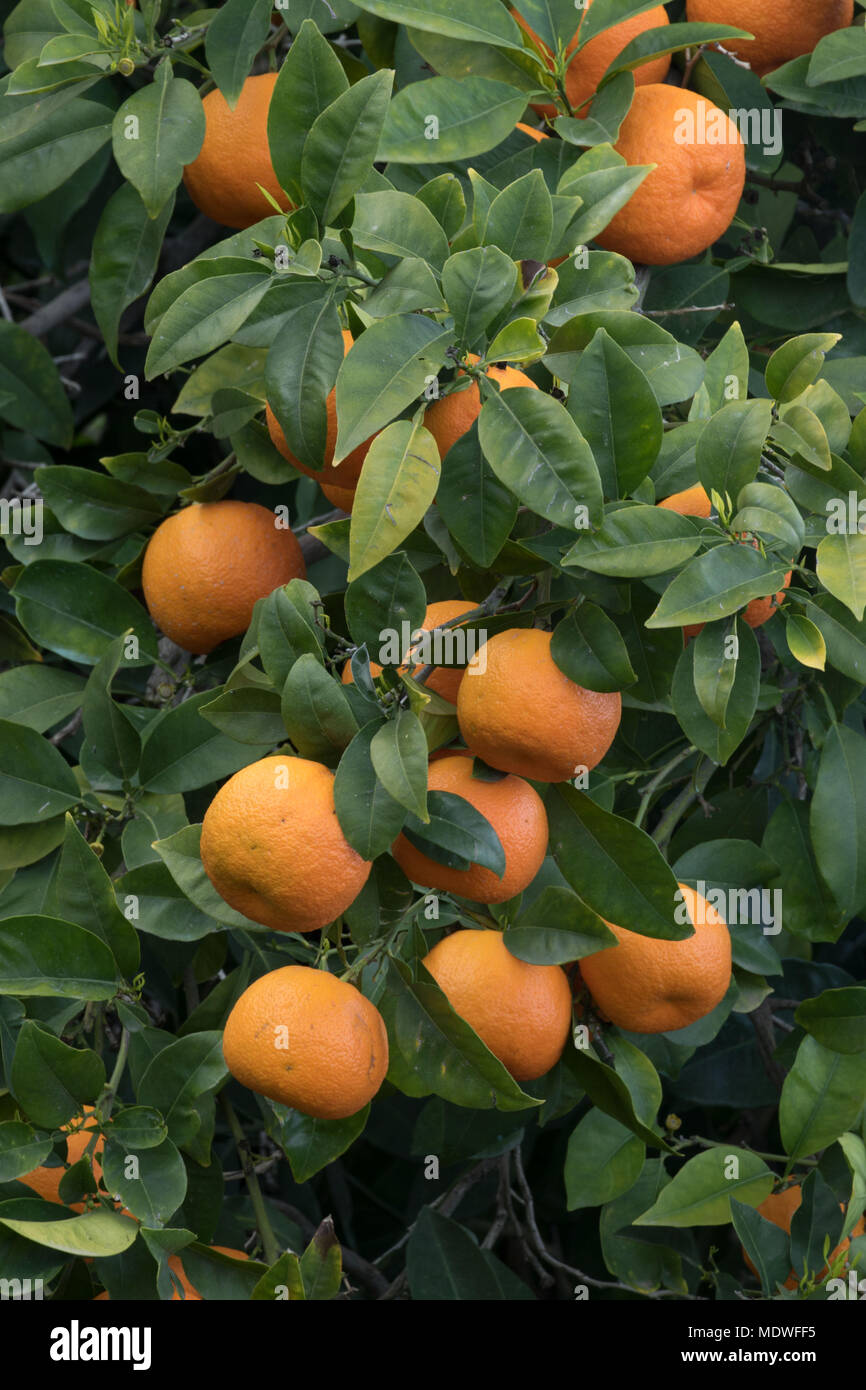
[322,325]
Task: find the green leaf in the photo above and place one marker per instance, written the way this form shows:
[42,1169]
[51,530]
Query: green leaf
[385,371]
[77,611]
[588,648]
[46,956]
[716,584]
[311,77]
[126,247]
[81,892]
[316,711]
[300,371]
[445,1264]
[520,219]
[95,507]
[205,315]
[38,403]
[636,541]
[463,119]
[159,1185]
[487,22]
[110,737]
[612,865]
[396,224]
[340,149]
[456,834]
[179,1076]
[715,668]
[181,750]
[718,741]
[840,563]
[396,487]
[555,929]
[398,752]
[310,1144]
[369,817]
[603,1160]
[726,377]
[797,363]
[234,37]
[21,1150]
[805,642]
[478,285]
[48,143]
[674,371]
[50,1080]
[38,696]
[286,628]
[837,817]
[836,1019]
[612,404]
[836,57]
[94,1235]
[769,510]
[388,595]
[477,508]
[537,451]
[765,1244]
[156,132]
[433,1052]
[700,1193]
[609,1091]
[729,448]
[822,1096]
[36,782]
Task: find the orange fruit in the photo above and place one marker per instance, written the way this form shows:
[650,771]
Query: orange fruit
[444,680]
[687,202]
[531,131]
[517,814]
[235,157]
[177,1269]
[521,1012]
[46,1181]
[205,567]
[449,417]
[783,29]
[586,70]
[651,986]
[338,484]
[779,1208]
[272,846]
[521,714]
[692,501]
[308,1040]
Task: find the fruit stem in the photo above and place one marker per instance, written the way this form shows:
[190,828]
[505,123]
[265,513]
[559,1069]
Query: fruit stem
[269,1240]
[110,1093]
[670,819]
[657,781]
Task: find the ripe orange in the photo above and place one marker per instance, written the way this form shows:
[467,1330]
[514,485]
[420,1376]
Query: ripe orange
[521,714]
[779,1208]
[46,1181]
[687,202]
[235,157]
[205,567]
[272,846]
[449,417]
[651,986]
[692,501]
[177,1269]
[522,1012]
[444,680]
[586,70]
[338,484]
[308,1040]
[517,814]
[783,29]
